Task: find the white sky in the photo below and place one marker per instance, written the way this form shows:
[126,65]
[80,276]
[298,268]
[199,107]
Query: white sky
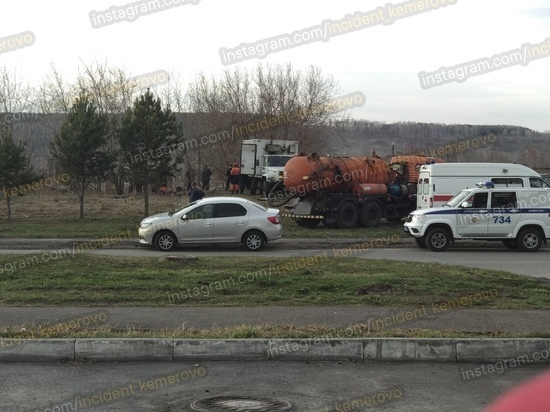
[383,62]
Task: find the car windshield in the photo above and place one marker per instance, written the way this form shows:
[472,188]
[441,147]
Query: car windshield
[458,199]
[181,208]
[277,161]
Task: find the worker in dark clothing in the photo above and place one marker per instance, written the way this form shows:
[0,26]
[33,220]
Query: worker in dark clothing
[195,193]
[205,177]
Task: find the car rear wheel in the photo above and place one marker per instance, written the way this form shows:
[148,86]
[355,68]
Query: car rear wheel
[529,240]
[254,240]
[165,241]
[438,240]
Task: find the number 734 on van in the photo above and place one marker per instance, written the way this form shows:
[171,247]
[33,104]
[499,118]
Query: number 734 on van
[517,217]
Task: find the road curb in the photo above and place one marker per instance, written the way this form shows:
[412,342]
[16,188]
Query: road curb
[307,349]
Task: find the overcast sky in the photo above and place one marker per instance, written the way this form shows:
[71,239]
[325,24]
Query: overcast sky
[383,61]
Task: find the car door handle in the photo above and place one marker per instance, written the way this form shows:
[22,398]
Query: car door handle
[240,222]
[208,224]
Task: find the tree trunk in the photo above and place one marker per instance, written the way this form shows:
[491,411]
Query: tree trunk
[8,204]
[81,199]
[146,197]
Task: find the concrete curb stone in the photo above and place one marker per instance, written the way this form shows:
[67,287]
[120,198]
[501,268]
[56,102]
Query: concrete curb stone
[307,349]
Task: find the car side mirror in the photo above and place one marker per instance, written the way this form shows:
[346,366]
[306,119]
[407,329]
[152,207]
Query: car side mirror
[464,204]
[184,217]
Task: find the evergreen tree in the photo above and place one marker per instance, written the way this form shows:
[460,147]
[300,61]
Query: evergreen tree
[80,147]
[16,171]
[151,140]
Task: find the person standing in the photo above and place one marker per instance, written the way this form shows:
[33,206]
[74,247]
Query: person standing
[205,177]
[234,177]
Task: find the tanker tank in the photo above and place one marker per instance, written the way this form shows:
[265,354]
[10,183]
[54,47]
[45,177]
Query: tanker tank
[307,175]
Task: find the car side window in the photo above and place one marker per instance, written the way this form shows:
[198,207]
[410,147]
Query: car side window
[503,200]
[478,201]
[201,212]
[537,182]
[230,210]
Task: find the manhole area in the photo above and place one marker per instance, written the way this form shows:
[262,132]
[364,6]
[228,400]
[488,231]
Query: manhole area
[240,404]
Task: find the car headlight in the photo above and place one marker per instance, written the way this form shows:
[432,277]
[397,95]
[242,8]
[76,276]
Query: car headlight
[145,225]
[418,217]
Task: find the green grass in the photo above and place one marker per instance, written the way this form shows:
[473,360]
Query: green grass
[311,332]
[85,280]
[92,227]
[69,227]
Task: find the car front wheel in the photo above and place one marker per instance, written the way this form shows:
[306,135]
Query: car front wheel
[438,240]
[254,240]
[165,241]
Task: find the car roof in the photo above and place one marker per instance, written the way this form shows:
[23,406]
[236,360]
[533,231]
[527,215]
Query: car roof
[215,199]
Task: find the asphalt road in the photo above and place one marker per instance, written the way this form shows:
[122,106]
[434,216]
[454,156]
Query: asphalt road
[308,386]
[478,256]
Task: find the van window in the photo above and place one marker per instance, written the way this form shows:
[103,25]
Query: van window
[507,182]
[538,182]
[503,200]
[425,189]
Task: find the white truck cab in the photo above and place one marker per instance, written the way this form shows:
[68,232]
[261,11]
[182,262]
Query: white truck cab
[518,217]
[439,182]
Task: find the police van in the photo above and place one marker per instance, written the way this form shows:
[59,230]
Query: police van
[438,183]
[518,217]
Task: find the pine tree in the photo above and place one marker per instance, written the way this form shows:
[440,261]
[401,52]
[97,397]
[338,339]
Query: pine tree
[16,171]
[151,140]
[80,147]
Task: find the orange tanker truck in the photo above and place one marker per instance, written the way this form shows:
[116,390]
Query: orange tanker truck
[344,191]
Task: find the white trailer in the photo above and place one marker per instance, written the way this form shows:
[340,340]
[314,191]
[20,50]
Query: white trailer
[264,160]
[438,183]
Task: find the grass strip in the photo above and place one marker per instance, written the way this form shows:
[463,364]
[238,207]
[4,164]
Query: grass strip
[88,280]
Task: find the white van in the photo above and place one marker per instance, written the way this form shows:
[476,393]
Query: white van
[438,183]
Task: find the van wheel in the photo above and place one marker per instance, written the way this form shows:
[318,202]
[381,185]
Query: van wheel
[370,214]
[438,240]
[420,243]
[347,216]
[511,244]
[529,240]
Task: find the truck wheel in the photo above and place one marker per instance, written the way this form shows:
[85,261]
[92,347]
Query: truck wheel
[420,243]
[347,216]
[370,214]
[438,240]
[529,240]
[307,222]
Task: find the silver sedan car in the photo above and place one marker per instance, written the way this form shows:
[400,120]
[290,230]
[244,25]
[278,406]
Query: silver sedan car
[213,220]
